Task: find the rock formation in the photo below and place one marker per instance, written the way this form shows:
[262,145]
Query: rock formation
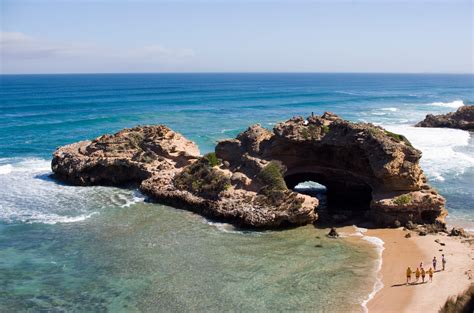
[463,118]
[169,168]
[249,179]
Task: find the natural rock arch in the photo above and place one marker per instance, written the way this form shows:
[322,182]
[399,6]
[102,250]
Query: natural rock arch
[358,162]
[342,191]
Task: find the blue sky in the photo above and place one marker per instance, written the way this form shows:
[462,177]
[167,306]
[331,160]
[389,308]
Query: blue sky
[236,36]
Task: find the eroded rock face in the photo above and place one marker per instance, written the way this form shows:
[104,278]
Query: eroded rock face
[463,118]
[360,164]
[130,155]
[170,169]
[251,184]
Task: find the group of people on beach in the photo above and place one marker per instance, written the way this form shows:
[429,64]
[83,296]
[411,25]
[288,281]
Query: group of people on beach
[421,272]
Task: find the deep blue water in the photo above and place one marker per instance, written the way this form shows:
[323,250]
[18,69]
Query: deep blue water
[40,112]
[91,248]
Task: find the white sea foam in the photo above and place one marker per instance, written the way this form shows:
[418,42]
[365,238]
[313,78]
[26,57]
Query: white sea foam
[310,185]
[361,230]
[440,147]
[6,169]
[29,195]
[350,93]
[137,197]
[454,104]
[378,285]
[31,216]
[231,229]
[383,111]
[224,227]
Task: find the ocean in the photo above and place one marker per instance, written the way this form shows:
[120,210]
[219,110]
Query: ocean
[109,249]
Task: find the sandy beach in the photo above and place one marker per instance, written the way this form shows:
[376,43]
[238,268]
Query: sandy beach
[400,252]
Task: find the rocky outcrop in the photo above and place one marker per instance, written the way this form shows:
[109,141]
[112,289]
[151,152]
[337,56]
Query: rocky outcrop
[131,155]
[463,118]
[250,179]
[169,168]
[363,166]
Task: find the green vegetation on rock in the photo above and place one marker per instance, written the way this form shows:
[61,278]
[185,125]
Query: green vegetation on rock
[201,179]
[403,199]
[377,132]
[325,129]
[398,137]
[305,133]
[135,139]
[212,159]
[313,132]
[271,177]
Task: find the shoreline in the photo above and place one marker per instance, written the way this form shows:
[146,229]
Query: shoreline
[398,252]
[378,285]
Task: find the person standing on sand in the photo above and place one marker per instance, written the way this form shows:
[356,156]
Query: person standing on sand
[434,263]
[417,274]
[430,274]
[423,274]
[443,261]
[408,275]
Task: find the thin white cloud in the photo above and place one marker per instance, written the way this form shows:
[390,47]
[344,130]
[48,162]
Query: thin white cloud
[153,51]
[16,47]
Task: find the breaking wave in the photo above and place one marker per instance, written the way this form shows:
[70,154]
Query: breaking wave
[440,147]
[30,195]
[454,104]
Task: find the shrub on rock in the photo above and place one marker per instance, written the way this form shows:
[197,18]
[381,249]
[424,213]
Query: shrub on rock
[271,177]
[201,179]
[212,159]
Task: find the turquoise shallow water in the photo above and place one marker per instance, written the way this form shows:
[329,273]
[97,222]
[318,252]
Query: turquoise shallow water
[99,248]
[146,257]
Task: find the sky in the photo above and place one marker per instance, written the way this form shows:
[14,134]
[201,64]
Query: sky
[118,36]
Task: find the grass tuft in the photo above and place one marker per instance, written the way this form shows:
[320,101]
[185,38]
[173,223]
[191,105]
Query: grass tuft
[403,199]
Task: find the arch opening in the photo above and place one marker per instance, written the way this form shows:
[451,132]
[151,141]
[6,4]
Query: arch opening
[335,193]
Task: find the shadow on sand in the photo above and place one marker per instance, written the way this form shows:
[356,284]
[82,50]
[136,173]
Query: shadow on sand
[410,284]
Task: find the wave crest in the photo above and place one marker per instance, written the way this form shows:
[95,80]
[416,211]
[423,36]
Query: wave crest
[454,104]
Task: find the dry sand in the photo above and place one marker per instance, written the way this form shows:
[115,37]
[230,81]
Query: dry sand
[400,252]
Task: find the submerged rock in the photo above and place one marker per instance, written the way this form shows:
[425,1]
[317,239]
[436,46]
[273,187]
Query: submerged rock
[333,233]
[463,118]
[249,180]
[458,232]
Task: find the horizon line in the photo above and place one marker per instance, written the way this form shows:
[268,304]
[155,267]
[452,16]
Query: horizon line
[232,72]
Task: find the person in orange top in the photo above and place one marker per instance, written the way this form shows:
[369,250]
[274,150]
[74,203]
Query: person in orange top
[423,274]
[408,275]
[417,274]
[430,274]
